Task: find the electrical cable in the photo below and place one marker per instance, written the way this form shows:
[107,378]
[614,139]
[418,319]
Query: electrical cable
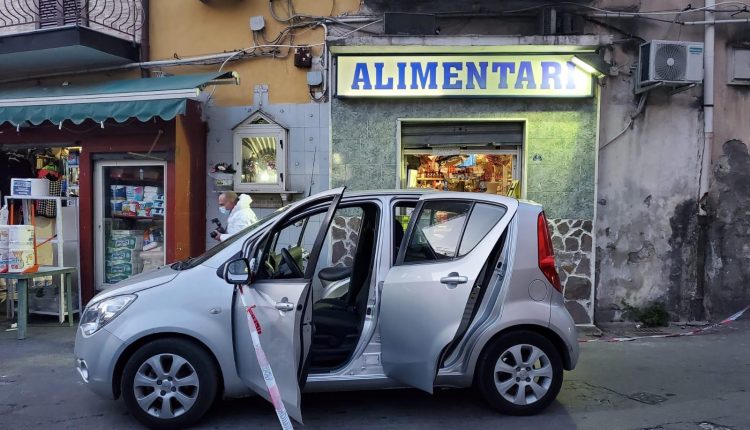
[616,13]
[617,29]
[664,12]
[213,88]
[345,35]
[638,111]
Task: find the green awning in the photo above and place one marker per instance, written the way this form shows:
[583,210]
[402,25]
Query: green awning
[121,100]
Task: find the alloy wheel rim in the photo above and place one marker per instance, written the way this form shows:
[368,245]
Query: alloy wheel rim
[523,374]
[166,386]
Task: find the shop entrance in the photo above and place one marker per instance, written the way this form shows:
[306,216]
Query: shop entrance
[480,157]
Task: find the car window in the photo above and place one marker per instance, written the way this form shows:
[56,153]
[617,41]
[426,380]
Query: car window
[242,234]
[437,231]
[402,212]
[297,238]
[483,217]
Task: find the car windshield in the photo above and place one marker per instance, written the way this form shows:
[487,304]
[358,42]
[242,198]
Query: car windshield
[194,261]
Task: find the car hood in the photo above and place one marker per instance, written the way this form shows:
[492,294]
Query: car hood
[159,276]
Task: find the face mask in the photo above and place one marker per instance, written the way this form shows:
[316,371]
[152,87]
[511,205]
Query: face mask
[223,210]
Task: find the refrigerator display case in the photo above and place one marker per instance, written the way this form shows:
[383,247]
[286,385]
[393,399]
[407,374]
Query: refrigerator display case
[130,210]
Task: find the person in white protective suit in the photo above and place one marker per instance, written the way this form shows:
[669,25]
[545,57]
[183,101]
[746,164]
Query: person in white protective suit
[240,213]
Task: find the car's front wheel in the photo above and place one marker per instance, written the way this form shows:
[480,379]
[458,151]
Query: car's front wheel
[520,373]
[169,383]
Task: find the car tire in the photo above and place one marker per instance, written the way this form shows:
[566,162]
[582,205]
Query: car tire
[169,383]
[520,373]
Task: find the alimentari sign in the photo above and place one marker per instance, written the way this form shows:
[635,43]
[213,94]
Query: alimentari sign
[461,76]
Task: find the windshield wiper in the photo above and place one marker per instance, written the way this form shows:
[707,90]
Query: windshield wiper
[183,264]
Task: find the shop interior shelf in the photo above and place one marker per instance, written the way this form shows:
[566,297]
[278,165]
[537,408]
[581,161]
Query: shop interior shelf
[136,181]
[135,217]
[430,179]
[17,197]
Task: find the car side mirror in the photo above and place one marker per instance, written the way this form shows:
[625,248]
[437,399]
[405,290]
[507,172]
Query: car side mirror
[238,271]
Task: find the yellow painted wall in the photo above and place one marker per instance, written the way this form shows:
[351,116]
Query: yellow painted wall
[190,28]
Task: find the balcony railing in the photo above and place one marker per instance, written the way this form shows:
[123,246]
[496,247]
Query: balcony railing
[122,18]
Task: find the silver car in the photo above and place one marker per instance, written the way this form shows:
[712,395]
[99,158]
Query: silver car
[362,291]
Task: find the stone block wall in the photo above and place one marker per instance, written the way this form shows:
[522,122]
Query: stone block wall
[573,243]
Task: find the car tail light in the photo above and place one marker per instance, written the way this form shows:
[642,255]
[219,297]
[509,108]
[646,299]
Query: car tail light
[546,253]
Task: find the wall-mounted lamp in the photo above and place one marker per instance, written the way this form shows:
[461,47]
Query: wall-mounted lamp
[590,64]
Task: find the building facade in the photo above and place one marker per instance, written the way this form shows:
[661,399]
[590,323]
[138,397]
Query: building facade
[646,186]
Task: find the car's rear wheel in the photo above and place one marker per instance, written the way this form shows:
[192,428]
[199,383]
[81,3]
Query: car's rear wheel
[520,373]
[169,383]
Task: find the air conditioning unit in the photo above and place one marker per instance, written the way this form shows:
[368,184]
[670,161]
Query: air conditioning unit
[667,62]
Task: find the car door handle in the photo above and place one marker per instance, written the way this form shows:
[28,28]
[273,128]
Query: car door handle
[285,306]
[454,278]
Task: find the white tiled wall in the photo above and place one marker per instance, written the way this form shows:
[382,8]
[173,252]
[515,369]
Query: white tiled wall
[307,159]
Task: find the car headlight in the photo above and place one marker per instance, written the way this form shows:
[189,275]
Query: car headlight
[98,314]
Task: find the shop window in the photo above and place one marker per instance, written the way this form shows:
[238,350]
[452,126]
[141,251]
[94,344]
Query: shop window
[260,147]
[477,157]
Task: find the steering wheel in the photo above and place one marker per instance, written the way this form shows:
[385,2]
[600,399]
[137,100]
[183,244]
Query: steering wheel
[291,264]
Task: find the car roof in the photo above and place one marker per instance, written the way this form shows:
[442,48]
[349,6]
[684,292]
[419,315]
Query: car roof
[375,193]
[416,193]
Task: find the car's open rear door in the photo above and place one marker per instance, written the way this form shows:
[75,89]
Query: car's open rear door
[448,240]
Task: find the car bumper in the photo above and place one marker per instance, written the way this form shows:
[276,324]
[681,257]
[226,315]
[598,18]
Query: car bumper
[562,323]
[95,359]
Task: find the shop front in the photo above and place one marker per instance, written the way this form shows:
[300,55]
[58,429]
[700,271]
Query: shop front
[131,162]
[509,120]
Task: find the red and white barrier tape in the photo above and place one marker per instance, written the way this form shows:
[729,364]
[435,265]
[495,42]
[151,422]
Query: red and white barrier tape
[265,367]
[725,321]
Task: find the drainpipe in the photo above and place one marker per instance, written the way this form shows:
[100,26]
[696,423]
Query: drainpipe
[708,104]
[697,308]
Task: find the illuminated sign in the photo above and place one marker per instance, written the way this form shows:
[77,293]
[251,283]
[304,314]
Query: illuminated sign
[461,76]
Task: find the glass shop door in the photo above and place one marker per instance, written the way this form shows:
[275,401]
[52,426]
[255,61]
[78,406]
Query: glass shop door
[130,208]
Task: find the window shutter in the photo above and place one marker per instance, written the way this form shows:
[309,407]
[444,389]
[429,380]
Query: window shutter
[419,135]
[54,13]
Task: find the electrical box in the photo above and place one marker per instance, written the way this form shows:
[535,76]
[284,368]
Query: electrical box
[257,23]
[303,57]
[739,66]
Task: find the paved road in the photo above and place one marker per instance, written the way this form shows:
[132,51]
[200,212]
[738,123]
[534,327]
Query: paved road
[700,383]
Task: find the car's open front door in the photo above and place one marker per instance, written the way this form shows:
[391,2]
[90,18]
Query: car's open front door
[449,239]
[281,308]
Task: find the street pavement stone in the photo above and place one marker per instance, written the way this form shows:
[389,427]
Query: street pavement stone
[700,382]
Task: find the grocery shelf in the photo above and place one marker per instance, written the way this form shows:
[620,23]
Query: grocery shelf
[136,217]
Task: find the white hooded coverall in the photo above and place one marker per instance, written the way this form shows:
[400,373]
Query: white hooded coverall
[240,217]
